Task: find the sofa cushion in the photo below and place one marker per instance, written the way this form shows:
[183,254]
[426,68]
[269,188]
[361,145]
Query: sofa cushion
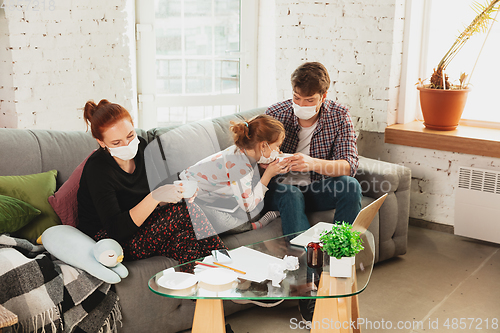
[180,147]
[35,190]
[15,214]
[64,201]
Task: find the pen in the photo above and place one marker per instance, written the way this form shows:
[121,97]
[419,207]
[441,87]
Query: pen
[204,264]
[234,269]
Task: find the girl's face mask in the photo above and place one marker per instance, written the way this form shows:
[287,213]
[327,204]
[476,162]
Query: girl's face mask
[271,158]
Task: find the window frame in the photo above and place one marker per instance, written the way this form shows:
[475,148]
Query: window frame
[471,137]
[149,100]
[414,63]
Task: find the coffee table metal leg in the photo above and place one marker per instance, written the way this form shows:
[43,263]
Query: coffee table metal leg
[209,316]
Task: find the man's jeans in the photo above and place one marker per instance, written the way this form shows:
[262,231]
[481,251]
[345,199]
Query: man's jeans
[341,193]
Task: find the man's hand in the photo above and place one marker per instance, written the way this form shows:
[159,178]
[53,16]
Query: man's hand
[300,162]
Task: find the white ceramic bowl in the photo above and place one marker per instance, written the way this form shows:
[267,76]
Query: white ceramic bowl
[177,280]
[217,276]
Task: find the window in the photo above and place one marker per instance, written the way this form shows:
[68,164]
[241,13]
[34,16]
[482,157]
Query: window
[431,29]
[204,59]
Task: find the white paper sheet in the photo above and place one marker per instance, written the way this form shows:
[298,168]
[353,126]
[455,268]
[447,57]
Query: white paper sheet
[253,262]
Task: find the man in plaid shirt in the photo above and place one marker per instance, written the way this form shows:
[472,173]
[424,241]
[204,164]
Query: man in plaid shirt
[320,134]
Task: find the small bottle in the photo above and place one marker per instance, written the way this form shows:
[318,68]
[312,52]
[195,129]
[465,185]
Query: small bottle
[315,252]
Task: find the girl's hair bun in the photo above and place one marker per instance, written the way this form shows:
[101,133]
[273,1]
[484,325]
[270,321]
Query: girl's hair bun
[248,133]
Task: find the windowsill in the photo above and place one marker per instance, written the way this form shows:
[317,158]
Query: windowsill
[464,139]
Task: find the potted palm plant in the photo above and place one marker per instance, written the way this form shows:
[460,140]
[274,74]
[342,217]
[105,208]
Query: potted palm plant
[341,243]
[442,103]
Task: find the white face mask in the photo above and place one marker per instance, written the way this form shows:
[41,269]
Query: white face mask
[304,112]
[270,159]
[126,152]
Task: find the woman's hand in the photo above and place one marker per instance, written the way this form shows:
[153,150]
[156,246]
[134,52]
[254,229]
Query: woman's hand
[168,193]
[191,200]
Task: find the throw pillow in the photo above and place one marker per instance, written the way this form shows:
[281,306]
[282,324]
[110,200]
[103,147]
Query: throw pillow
[34,190]
[15,214]
[64,201]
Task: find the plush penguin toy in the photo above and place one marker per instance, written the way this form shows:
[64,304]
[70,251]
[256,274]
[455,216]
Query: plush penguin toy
[101,259]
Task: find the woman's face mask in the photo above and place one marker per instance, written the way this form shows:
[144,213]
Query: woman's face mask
[271,158]
[127,152]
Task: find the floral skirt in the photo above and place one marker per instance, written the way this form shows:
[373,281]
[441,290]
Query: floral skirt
[179,231]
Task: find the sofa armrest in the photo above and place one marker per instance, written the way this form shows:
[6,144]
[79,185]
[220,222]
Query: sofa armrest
[377,178]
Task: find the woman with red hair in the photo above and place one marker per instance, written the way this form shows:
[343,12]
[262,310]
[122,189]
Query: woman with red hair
[114,200]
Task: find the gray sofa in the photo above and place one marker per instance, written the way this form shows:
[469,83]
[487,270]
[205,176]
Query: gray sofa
[32,151]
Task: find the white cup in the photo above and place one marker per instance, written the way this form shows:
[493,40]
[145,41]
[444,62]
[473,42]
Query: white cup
[189,186]
[283,156]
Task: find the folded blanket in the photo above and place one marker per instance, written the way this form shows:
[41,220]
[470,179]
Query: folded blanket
[50,296]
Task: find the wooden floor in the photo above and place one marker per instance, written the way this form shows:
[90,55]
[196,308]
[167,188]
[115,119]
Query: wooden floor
[441,277]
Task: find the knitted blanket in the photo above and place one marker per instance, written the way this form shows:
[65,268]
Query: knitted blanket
[48,295]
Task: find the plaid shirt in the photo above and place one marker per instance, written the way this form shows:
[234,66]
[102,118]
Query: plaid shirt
[333,139]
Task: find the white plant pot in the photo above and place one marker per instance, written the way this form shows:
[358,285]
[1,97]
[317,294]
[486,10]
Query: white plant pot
[341,267]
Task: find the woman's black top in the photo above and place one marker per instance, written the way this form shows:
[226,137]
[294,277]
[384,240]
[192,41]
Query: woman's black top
[107,193]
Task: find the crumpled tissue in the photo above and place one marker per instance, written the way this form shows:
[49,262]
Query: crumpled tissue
[276,272]
[291,263]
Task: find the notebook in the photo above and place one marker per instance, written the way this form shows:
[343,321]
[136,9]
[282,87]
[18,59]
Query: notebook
[253,262]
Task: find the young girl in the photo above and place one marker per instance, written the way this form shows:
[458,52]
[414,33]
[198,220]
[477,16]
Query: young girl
[233,175]
[114,199]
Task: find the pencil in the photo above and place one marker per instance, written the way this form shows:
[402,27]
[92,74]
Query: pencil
[204,264]
[234,269]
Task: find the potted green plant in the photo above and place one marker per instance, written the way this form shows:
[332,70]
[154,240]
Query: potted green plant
[442,103]
[341,243]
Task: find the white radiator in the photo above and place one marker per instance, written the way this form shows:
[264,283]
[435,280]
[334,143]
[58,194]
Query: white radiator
[477,204]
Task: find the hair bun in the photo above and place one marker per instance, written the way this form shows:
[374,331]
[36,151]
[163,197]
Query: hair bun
[240,130]
[89,109]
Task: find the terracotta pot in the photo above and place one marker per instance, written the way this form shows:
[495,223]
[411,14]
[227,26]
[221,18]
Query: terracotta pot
[442,109]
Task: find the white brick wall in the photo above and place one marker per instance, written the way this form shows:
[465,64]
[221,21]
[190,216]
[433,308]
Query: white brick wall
[7,92]
[434,174]
[360,43]
[53,61]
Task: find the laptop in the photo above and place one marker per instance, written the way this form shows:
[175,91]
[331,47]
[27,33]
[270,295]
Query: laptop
[361,223]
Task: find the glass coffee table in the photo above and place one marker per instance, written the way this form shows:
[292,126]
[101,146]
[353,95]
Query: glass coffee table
[336,309]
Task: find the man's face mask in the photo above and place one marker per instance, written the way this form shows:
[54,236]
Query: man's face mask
[304,112]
